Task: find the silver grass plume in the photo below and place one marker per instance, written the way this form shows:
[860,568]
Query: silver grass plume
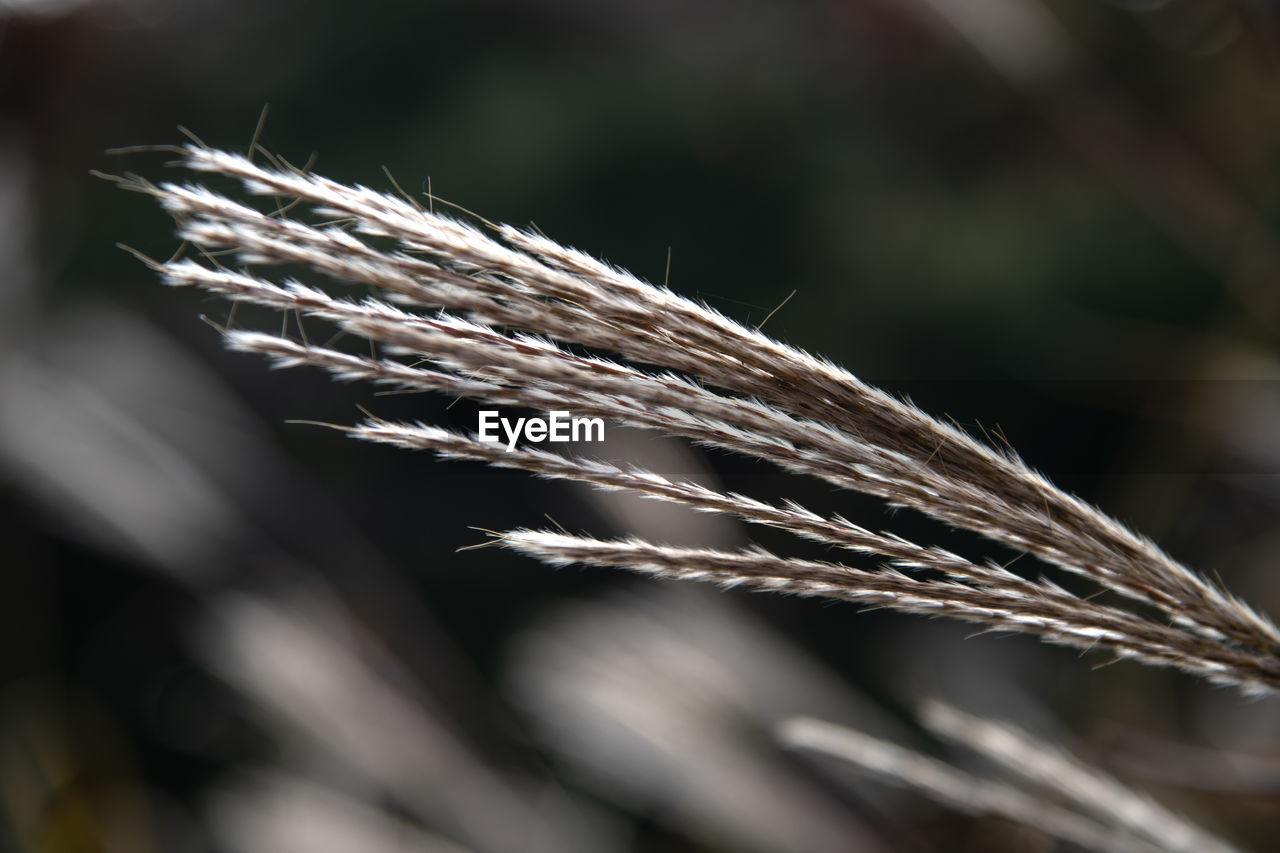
[1099,813]
[490,314]
[1087,789]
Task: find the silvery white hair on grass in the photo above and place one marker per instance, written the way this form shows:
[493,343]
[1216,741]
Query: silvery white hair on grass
[493,315]
[490,314]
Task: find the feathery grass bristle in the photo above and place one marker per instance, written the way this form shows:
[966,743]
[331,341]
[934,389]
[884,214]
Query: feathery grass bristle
[500,315]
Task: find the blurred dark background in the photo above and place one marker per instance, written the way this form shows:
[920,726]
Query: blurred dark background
[1053,222]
